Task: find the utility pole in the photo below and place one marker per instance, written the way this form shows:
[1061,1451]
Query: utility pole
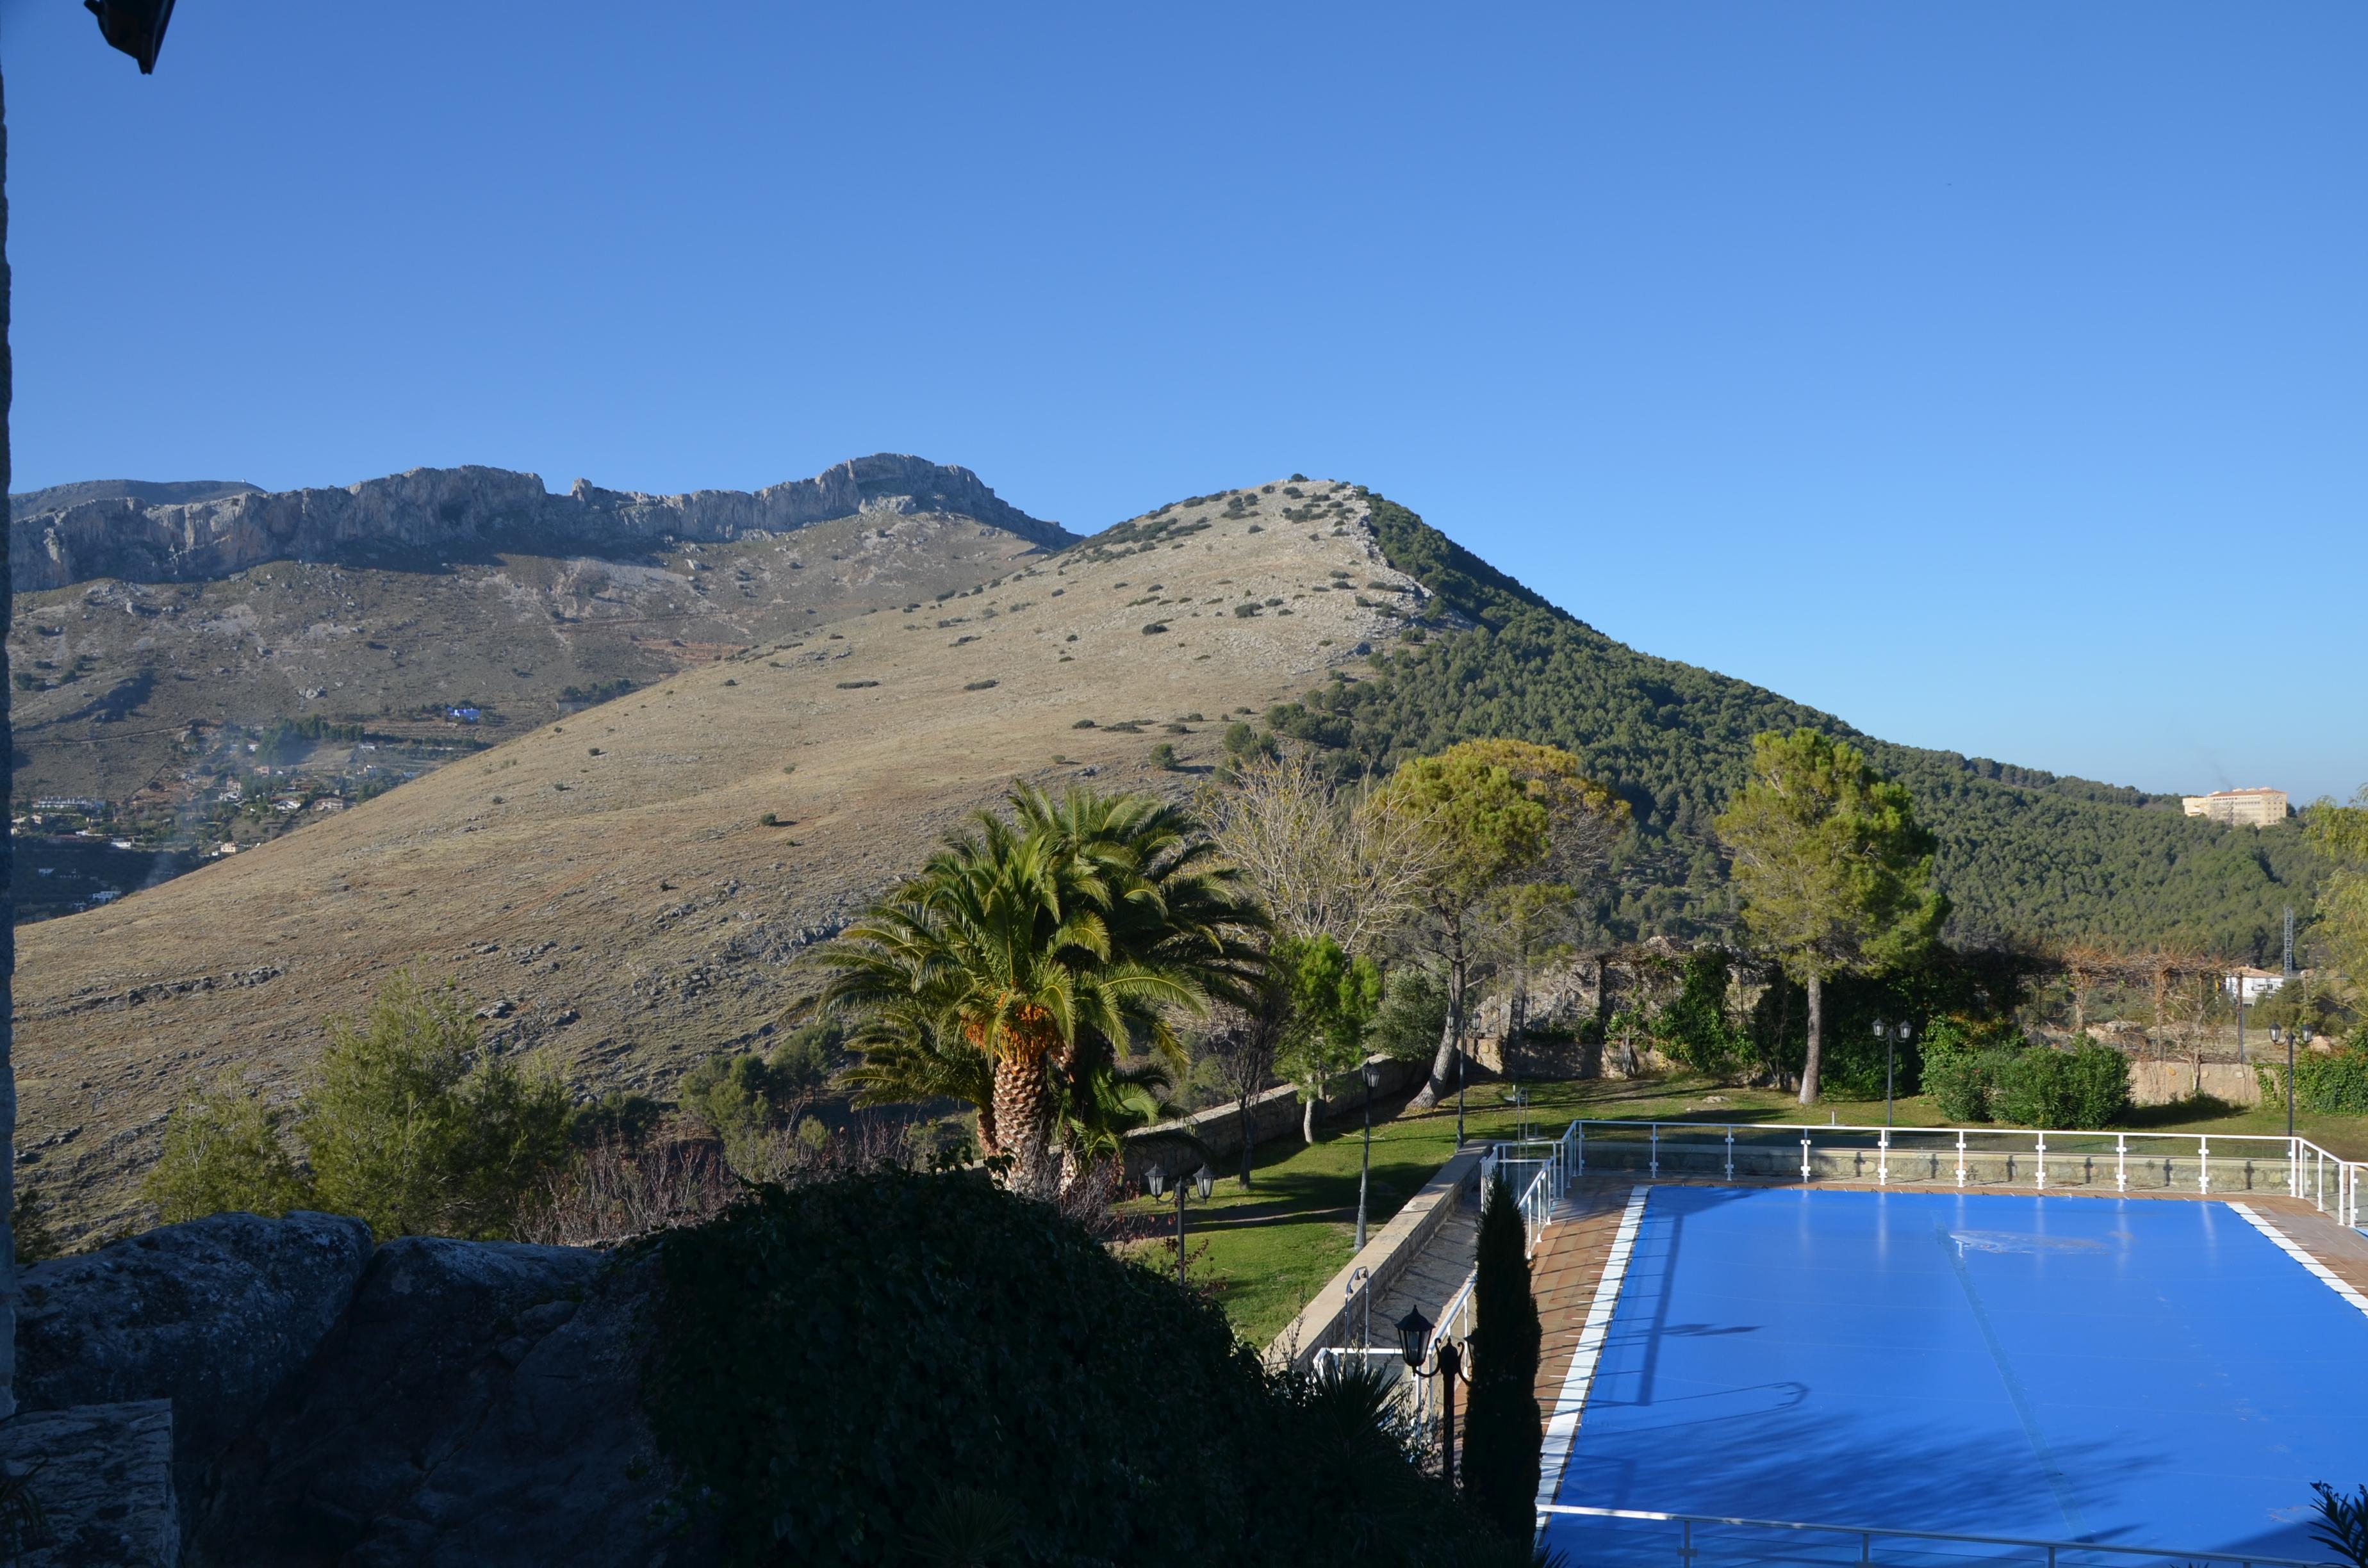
[2288,970]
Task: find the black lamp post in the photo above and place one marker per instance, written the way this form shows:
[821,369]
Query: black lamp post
[1892,1036]
[1414,1339]
[2287,1037]
[1204,1179]
[1366,1165]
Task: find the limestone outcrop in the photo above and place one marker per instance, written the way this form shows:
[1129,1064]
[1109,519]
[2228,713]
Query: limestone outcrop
[435,511]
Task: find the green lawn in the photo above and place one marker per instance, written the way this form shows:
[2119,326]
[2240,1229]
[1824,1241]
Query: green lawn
[1265,1251]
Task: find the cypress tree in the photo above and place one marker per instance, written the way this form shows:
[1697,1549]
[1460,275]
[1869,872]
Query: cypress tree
[1503,1428]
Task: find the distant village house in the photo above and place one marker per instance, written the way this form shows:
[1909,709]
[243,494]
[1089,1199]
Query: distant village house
[2249,985]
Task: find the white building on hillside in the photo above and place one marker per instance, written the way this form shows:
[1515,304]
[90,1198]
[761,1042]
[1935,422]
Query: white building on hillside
[2257,807]
[2249,985]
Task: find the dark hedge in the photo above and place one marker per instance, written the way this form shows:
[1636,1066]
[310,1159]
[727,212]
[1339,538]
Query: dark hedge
[832,1363]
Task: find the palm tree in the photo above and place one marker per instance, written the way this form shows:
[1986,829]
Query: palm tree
[1029,948]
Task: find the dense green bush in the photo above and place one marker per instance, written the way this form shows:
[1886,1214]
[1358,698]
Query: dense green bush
[743,1098]
[2086,1088]
[1413,1014]
[1693,1030]
[410,1121]
[1965,1068]
[2330,1085]
[827,1364]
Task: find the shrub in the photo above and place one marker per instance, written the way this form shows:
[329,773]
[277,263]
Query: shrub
[2087,1087]
[1154,627]
[2033,1089]
[225,1151]
[617,1117]
[413,1124]
[409,1122]
[2332,1085]
[2100,1084]
[1693,1029]
[1958,1074]
[1413,1014]
[1163,755]
[1057,1383]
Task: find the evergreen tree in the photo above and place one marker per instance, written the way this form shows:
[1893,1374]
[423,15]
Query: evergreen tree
[1503,1428]
[1834,872]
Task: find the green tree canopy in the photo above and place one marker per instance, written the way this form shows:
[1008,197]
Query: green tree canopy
[2341,835]
[1332,996]
[1491,811]
[1834,873]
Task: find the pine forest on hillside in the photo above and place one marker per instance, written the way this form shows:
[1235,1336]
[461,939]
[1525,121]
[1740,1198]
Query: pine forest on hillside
[2025,856]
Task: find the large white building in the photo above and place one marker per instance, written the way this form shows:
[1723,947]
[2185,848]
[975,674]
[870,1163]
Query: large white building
[2245,808]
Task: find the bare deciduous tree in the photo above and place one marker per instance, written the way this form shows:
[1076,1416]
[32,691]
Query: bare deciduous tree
[1326,862]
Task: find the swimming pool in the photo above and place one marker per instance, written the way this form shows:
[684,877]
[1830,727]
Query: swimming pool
[2129,1370]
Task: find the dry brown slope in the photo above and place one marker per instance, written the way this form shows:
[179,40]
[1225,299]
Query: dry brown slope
[607,875]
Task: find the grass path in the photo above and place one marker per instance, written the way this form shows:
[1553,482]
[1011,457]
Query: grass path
[1265,1251]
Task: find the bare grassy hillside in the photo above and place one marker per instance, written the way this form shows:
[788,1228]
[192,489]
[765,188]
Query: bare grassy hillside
[606,882]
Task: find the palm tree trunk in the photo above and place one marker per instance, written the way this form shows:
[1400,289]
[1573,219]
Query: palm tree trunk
[1816,989]
[1023,1116]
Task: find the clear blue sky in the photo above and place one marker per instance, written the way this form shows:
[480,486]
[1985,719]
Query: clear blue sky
[1993,376]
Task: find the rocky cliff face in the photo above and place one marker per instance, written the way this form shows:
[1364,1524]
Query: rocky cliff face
[57,538]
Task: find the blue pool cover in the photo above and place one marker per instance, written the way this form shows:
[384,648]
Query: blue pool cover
[2137,1371]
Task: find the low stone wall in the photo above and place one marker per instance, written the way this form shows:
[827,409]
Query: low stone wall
[2167,1082]
[1325,1320]
[1274,1114]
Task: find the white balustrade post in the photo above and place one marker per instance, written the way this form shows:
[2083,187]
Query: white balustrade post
[1657,1148]
[2202,1163]
[2121,1161]
[1961,1156]
[1805,1156]
[2039,1162]
[1882,1159]
[1730,1154]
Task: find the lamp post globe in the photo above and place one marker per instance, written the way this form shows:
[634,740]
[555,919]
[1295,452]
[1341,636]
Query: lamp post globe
[1414,1338]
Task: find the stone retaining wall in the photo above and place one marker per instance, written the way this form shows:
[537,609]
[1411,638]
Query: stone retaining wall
[1325,1320]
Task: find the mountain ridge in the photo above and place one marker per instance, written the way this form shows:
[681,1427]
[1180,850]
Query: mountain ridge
[64,535]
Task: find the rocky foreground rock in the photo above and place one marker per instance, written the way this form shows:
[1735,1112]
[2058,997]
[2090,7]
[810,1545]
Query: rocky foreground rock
[429,1402]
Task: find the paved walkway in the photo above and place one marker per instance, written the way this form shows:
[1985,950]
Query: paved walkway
[1435,1275]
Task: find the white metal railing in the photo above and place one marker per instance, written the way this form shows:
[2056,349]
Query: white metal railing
[2040,1157]
[1693,1528]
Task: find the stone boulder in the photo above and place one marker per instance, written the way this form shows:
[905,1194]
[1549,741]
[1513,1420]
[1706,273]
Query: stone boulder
[103,1477]
[478,1404]
[215,1315]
